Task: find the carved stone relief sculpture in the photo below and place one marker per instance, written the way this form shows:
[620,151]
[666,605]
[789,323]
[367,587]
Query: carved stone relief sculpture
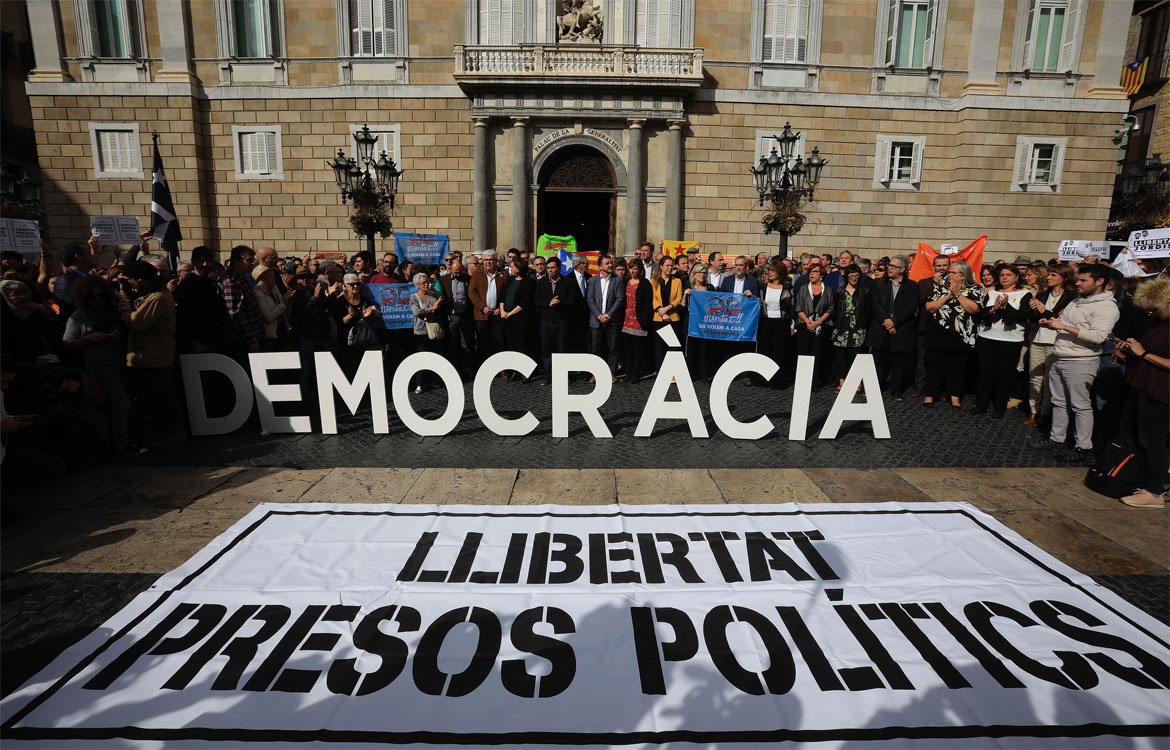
[581,21]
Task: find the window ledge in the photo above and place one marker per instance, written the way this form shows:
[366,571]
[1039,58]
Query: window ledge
[1036,188]
[373,70]
[114,70]
[1031,83]
[253,71]
[775,75]
[897,185]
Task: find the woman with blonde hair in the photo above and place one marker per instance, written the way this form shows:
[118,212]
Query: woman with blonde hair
[700,352]
[1147,406]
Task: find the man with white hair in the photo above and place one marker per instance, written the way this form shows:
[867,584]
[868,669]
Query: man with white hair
[266,256]
[486,291]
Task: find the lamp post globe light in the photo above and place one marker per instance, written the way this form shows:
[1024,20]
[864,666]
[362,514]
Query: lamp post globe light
[785,183]
[370,183]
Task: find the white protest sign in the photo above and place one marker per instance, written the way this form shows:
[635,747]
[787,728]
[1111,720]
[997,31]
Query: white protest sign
[949,249]
[1078,250]
[604,625]
[1150,243]
[116,230]
[22,235]
[5,236]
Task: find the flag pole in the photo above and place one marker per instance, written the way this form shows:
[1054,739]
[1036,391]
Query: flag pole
[168,243]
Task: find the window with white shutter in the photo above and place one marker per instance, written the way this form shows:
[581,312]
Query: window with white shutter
[116,150]
[1038,164]
[785,31]
[373,28]
[911,27]
[258,154]
[898,162]
[501,21]
[659,23]
[1051,35]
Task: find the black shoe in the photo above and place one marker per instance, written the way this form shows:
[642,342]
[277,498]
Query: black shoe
[133,449]
[545,381]
[1081,456]
[979,410]
[1042,443]
[997,414]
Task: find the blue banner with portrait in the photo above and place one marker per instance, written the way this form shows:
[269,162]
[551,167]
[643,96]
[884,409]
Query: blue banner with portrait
[429,249]
[723,316]
[394,302]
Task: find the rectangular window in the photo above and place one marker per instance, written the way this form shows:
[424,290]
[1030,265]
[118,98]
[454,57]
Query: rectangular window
[901,161]
[372,28]
[501,21]
[253,28]
[1040,164]
[109,28]
[910,33]
[1046,46]
[659,23]
[116,150]
[258,152]
[785,31]
[897,162]
[1051,35]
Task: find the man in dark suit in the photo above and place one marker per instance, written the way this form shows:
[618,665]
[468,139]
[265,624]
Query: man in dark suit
[942,266]
[741,282]
[606,301]
[557,301]
[461,322]
[580,276]
[892,330]
[486,291]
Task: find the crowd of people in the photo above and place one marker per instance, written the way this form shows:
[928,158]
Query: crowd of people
[90,347]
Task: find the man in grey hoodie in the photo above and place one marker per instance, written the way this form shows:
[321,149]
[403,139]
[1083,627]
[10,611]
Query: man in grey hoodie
[1081,331]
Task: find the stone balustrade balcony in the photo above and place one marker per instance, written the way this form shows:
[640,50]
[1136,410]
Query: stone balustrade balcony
[578,65]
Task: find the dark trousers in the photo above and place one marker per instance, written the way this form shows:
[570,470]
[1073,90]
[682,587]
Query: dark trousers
[461,342]
[772,341]
[660,347]
[946,371]
[997,362]
[423,343]
[1148,423]
[603,342]
[700,357]
[155,400]
[489,337]
[554,339]
[518,336]
[635,350]
[811,344]
[843,357]
[895,369]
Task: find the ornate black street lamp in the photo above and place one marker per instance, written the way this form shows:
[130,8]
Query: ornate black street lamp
[785,183]
[370,184]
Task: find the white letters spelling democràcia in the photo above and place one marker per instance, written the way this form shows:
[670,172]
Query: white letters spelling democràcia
[370,378]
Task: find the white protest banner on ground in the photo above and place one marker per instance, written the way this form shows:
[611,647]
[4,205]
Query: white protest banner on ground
[1150,243]
[1078,250]
[116,230]
[22,235]
[605,625]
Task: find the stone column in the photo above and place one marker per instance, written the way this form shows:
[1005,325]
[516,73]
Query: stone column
[635,186]
[672,226]
[481,197]
[986,27]
[1111,37]
[46,43]
[172,34]
[521,199]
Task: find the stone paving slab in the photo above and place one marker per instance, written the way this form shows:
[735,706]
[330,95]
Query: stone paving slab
[347,485]
[767,486]
[462,486]
[566,487]
[666,486]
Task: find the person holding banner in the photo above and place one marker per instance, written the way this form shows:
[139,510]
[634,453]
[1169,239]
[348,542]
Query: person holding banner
[1003,317]
[516,310]
[813,307]
[950,333]
[775,318]
[700,351]
[850,321]
[637,322]
[666,299]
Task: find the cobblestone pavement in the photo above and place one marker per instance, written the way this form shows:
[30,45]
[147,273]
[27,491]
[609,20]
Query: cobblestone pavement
[937,436]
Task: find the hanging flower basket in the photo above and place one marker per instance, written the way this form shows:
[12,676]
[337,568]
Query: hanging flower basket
[368,223]
[786,224]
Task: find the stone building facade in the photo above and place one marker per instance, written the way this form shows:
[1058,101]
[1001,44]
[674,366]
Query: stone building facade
[613,120]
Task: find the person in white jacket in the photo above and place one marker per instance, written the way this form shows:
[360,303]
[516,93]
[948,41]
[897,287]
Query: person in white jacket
[273,308]
[1081,331]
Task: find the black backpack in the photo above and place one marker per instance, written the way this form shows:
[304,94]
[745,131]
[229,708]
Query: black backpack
[1118,471]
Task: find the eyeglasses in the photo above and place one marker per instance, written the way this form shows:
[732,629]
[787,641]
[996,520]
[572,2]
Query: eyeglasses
[352,283]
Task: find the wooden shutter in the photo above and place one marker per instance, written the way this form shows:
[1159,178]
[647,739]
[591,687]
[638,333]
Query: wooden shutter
[93,46]
[1068,42]
[1023,158]
[270,160]
[770,11]
[1029,38]
[881,163]
[248,153]
[389,28]
[1057,165]
[799,31]
[517,21]
[916,163]
[377,27]
[892,32]
[931,22]
[673,25]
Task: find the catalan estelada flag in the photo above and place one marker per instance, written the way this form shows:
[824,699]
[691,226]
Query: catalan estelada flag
[1134,75]
[675,248]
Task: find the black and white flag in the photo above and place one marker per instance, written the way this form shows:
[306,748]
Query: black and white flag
[164,225]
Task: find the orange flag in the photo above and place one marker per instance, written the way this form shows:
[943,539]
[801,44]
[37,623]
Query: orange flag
[674,248]
[923,266]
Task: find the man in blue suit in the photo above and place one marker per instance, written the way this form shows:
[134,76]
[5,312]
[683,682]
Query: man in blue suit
[605,296]
[741,282]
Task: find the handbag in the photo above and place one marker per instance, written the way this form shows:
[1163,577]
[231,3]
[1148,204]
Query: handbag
[435,332]
[363,336]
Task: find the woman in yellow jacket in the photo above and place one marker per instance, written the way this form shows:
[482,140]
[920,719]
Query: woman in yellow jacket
[667,300]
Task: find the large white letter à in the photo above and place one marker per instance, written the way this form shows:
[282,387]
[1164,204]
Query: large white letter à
[482,393]
[369,377]
[674,370]
[400,392]
[801,395]
[731,369]
[268,394]
[195,364]
[872,410]
[588,405]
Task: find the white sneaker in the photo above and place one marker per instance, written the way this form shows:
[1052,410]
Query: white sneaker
[418,389]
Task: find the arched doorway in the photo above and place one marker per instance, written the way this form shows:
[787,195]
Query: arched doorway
[577,197]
